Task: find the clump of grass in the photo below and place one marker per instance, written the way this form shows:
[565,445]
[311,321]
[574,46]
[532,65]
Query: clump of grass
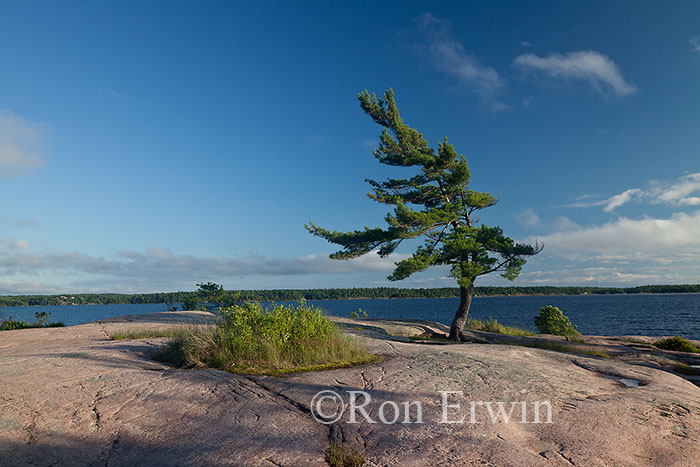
[575,339]
[340,456]
[494,326]
[677,343]
[42,321]
[250,339]
[687,370]
[145,334]
[629,340]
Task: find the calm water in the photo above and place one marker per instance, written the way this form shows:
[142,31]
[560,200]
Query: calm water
[651,315]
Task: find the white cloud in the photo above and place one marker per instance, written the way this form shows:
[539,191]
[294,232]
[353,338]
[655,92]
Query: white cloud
[623,198]
[678,193]
[695,43]
[447,55]
[588,276]
[589,65]
[19,144]
[636,239]
[682,192]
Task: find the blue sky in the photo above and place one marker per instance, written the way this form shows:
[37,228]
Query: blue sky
[147,146]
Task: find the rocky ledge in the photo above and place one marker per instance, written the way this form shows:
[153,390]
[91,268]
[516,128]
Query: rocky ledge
[73,396]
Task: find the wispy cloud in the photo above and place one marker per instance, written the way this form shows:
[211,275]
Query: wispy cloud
[448,56]
[18,223]
[161,266]
[622,198]
[112,93]
[529,218]
[19,144]
[685,191]
[695,43]
[591,66]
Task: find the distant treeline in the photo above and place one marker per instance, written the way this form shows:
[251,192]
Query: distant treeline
[331,294]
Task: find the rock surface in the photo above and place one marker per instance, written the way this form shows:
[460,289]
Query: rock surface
[72,396]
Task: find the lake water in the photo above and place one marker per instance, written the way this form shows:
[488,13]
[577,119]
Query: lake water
[643,314]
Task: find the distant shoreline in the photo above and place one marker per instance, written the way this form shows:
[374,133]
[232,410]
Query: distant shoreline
[384,293]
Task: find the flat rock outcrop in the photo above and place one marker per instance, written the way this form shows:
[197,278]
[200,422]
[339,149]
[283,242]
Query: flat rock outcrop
[73,396]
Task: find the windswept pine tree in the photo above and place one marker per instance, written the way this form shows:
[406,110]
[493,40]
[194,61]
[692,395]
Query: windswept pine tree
[435,205]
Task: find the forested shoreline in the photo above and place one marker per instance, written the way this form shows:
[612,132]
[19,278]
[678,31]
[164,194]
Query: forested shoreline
[333,294]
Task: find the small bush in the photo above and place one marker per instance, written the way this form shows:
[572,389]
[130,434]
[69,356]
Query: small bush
[551,320]
[677,343]
[250,339]
[494,326]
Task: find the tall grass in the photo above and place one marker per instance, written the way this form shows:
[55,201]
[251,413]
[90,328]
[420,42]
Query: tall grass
[250,339]
[494,326]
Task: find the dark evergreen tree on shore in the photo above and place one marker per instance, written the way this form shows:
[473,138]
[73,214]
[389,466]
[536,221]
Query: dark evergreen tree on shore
[435,205]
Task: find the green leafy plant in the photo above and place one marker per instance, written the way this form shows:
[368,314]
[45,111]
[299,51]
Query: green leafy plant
[360,313]
[551,320]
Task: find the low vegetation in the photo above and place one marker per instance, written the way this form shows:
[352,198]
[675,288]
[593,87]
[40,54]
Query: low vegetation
[340,456]
[250,339]
[41,321]
[494,326]
[551,320]
[677,343]
[564,348]
[687,370]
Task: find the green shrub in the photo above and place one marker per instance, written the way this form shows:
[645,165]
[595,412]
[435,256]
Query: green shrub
[677,343]
[250,339]
[551,320]
[494,326]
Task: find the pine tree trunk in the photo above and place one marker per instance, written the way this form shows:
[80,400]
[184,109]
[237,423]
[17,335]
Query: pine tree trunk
[465,301]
